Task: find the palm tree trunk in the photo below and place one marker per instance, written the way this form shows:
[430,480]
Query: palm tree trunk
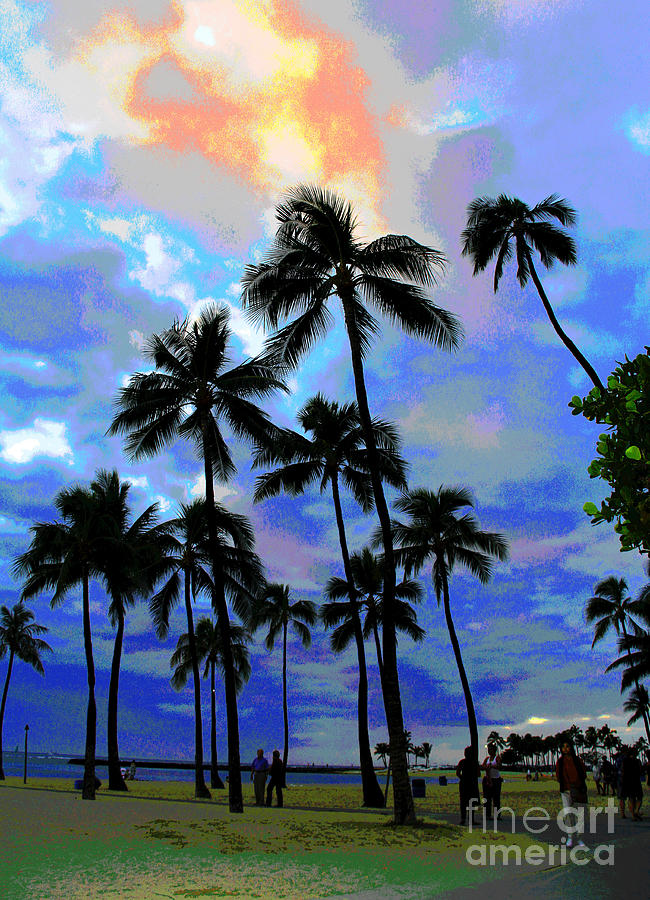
[88,791]
[200,787]
[215,778]
[372,793]
[115,780]
[566,340]
[471,714]
[380,661]
[235,796]
[2,708]
[285,707]
[403,810]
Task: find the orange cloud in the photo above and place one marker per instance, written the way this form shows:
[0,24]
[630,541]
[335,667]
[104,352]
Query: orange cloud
[258,90]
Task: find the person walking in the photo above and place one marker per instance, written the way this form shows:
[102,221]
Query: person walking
[571,773]
[631,782]
[277,779]
[259,768]
[492,780]
[468,773]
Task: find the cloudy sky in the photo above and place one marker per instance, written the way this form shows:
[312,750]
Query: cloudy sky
[145,145]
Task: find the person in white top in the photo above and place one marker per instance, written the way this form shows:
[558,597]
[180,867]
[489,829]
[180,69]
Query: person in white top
[492,780]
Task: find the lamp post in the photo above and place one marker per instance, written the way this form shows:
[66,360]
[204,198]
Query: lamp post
[25,766]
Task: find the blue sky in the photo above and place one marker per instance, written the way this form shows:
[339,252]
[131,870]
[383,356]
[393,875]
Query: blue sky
[145,146]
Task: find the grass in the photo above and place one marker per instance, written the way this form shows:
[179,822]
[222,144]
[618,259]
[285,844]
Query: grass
[157,841]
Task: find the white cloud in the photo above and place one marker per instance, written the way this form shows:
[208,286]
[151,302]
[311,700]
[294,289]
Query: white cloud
[221,491]
[10,526]
[141,481]
[45,438]
[159,267]
[637,129]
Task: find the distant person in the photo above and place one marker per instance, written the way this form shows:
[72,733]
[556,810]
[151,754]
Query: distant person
[572,776]
[598,777]
[492,780]
[609,777]
[259,768]
[632,784]
[619,761]
[131,773]
[468,773]
[277,779]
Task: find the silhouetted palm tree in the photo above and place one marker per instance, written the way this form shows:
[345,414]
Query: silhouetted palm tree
[317,254]
[208,650]
[612,608]
[188,395]
[335,453]
[493,226]
[62,555]
[637,703]
[19,635]
[275,609]
[132,547]
[437,530]
[382,750]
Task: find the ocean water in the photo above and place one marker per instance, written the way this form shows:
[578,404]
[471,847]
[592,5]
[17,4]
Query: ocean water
[45,765]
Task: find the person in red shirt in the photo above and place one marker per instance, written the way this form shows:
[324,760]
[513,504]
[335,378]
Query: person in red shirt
[571,773]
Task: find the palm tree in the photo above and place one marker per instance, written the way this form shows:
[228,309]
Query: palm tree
[382,750]
[426,752]
[436,530]
[493,226]
[612,608]
[188,554]
[188,395]
[335,453]
[275,609]
[132,547]
[495,738]
[638,703]
[317,254]
[208,650]
[19,635]
[62,555]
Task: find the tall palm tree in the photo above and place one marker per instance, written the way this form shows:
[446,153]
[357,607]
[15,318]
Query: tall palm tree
[382,750]
[438,529]
[612,608]
[275,609]
[317,254]
[208,651]
[493,226]
[426,751]
[188,395]
[367,579]
[495,738]
[132,548]
[334,454]
[19,635]
[62,555]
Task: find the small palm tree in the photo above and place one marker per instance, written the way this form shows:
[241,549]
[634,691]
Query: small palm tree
[493,226]
[367,575]
[208,651]
[495,738]
[318,254]
[382,750]
[19,635]
[612,608]
[436,530]
[190,394]
[62,555]
[638,703]
[275,609]
[426,752]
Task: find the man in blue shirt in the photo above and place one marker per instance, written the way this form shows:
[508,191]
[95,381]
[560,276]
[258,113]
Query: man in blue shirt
[259,768]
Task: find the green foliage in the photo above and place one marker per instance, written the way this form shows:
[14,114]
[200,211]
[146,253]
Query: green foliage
[623,459]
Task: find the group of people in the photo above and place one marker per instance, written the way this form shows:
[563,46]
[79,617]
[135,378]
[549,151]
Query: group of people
[260,768]
[624,775]
[468,773]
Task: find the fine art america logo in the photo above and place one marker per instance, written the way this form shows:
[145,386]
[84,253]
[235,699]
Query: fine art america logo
[573,823]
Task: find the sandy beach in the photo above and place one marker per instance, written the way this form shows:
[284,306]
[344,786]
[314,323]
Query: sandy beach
[159,842]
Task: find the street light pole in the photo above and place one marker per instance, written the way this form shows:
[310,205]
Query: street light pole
[25,766]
